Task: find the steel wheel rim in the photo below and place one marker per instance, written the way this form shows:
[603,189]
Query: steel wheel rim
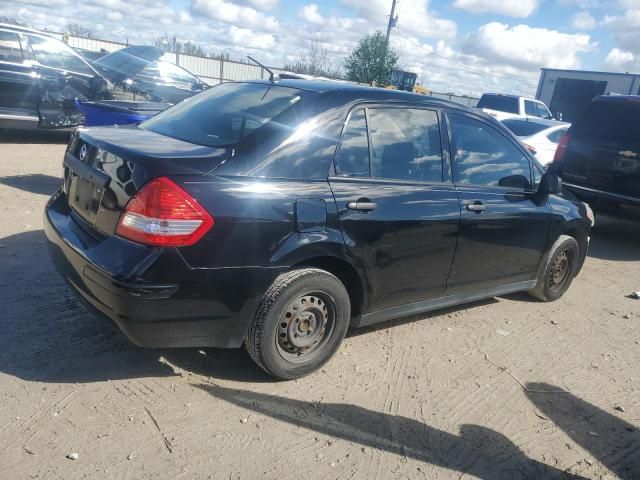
[560,270]
[305,326]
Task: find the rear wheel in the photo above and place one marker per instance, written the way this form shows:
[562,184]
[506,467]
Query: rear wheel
[559,268]
[299,324]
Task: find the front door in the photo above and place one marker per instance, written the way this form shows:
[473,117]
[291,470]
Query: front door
[505,224]
[399,215]
[18,81]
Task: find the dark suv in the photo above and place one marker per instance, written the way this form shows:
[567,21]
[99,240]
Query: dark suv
[279,214]
[599,157]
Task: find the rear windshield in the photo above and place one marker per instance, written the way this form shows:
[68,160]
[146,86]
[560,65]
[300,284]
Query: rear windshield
[223,114]
[522,128]
[502,103]
[610,122]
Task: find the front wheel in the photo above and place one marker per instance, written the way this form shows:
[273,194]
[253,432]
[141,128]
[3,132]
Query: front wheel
[299,324]
[559,267]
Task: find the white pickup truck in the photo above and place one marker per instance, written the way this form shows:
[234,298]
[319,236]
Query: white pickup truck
[502,107]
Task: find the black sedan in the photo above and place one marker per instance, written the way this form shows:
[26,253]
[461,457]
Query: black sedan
[277,215]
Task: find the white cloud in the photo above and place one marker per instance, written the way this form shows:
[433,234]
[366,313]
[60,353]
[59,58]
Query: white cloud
[235,14]
[260,4]
[311,14]
[510,8]
[621,61]
[626,30]
[414,17]
[250,39]
[526,46]
[583,21]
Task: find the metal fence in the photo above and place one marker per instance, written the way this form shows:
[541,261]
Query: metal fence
[214,71]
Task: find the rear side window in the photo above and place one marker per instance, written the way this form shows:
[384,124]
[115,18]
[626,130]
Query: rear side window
[352,159]
[610,122]
[484,157]
[405,144]
[502,103]
[224,114]
[10,50]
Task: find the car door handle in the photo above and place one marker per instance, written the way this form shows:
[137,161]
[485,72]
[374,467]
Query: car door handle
[476,206]
[362,206]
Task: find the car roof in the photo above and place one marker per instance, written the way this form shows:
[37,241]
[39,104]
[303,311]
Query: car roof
[538,121]
[617,98]
[364,92]
[21,29]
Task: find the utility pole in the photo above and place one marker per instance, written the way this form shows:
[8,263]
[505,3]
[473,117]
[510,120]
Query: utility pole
[392,23]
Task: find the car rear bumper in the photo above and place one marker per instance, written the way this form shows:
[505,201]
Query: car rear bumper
[152,295]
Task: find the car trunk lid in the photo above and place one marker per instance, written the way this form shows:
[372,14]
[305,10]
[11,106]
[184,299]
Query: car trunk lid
[101,174]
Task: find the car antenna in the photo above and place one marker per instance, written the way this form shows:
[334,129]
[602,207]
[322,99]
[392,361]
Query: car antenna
[261,65]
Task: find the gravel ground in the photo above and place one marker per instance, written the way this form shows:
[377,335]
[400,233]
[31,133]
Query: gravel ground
[504,388]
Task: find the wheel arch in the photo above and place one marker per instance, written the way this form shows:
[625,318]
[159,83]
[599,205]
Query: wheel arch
[578,231]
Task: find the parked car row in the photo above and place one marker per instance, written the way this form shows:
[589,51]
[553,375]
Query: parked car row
[44,82]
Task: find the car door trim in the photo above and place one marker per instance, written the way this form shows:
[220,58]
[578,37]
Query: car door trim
[441,302]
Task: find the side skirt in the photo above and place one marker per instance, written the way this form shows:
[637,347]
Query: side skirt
[441,302]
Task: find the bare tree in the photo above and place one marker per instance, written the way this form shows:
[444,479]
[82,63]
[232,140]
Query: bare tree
[79,30]
[314,59]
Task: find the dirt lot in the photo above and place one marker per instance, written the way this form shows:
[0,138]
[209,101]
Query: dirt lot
[506,388]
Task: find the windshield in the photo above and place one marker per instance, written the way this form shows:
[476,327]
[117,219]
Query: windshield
[502,103]
[53,53]
[132,66]
[223,114]
[522,128]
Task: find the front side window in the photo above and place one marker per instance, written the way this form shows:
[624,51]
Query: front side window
[352,159]
[485,157]
[53,53]
[543,111]
[10,50]
[223,114]
[405,144]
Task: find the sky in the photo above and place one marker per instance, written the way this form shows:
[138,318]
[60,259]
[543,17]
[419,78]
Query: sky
[459,46]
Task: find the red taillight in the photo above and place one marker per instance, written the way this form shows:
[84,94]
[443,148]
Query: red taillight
[562,147]
[163,214]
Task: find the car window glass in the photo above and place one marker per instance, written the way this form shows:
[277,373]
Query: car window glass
[352,159]
[502,103]
[530,108]
[483,156]
[53,53]
[554,137]
[543,112]
[10,50]
[405,144]
[523,128]
[224,114]
[610,122]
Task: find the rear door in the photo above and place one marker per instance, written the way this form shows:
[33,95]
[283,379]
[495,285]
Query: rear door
[398,209]
[604,150]
[505,225]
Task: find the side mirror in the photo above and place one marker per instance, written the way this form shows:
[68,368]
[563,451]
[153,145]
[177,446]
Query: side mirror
[515,181]
[550,184]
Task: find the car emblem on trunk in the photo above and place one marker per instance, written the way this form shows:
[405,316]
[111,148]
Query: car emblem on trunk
[83,152]
[628,154]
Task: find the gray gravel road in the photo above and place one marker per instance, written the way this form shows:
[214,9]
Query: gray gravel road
[505,388]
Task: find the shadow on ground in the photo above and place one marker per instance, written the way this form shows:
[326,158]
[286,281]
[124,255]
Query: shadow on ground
[612,440]
[615,239]
[35,183]
[34,136]
[477,451]
[46,335]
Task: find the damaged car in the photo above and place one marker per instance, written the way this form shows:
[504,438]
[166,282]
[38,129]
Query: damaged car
[44,83]
[40,79]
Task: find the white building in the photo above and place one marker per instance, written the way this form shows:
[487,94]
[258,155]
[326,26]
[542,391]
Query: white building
[570,91]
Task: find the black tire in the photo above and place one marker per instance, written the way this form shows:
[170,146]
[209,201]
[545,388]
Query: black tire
[559,267]
[299,324]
